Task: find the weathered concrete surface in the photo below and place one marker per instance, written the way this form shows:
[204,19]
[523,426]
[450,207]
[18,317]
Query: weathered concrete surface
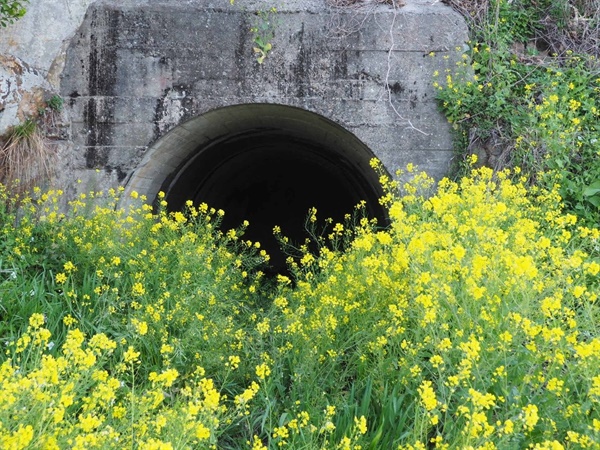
[41,37]
[22,91]
[135,69]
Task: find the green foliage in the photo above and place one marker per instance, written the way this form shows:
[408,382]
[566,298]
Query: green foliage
[564,122]
[55,103]
[541,110]
[23,130]
[511,21]
[471,321]
[263,32]
[11,10]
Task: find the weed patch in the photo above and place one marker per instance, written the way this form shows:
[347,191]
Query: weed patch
[470,322]
[526,95]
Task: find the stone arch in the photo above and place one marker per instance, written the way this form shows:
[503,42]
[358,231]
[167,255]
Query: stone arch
[266,163]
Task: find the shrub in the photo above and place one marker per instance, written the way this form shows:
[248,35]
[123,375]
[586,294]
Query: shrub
[526,95]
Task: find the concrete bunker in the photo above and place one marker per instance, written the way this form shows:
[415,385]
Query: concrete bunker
[142,98]
[264,163]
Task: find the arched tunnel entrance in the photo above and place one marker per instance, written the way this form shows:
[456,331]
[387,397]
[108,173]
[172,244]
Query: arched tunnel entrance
[264,163]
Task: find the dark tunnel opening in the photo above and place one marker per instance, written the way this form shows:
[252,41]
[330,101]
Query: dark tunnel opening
[271,179]
[269,169]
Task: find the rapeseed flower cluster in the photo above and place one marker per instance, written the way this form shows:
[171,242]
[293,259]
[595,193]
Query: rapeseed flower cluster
[542,117]
[469,322]
[462,323]
[103,305]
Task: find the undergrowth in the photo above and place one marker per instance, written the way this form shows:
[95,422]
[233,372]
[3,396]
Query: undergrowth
[527,95]
[471,322]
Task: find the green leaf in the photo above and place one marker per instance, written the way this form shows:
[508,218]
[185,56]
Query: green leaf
[11,10]
[592,189]
[594,201]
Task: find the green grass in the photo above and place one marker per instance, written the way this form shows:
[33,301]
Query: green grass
[472,322]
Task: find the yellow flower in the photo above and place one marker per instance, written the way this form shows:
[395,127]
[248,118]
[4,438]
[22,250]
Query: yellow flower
[264,326]
[595,388]
[101,342]
[361,424]
[165,379]
[131,356]
[263,371]
[530,416]
[89,423]
[36,320]
[578,291]
[281,432]
[436,361]
[234,362]
[256,442]
[555,385]
[592,268]
[141,327]
[427,395]
[153,444]
[166,349]
[179,217]
[248,394]
[506,337]
[202,432]
[69,320]
[20,438]
[118,412]
[482,401]
[138,289]
[345,444]
[60,278]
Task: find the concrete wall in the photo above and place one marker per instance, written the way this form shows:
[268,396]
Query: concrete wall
[132,70]
[32,52]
